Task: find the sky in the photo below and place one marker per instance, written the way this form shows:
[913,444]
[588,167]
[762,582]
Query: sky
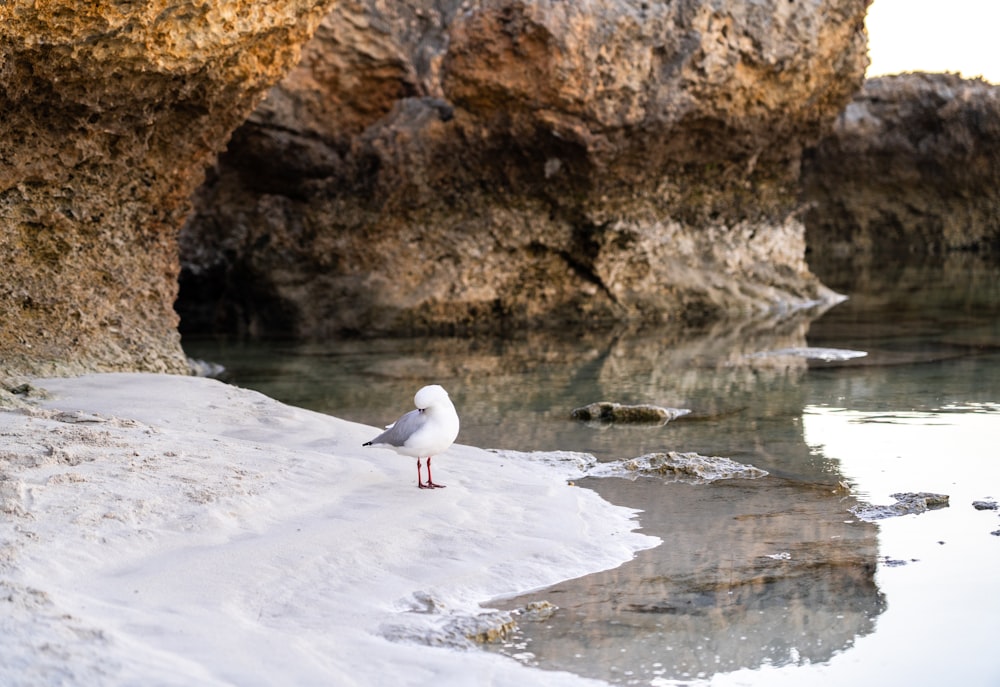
[934,36]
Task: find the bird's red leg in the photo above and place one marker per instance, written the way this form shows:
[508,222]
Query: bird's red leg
[429,483]
[420,481]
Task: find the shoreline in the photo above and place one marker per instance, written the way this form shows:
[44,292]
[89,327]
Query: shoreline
[178,530]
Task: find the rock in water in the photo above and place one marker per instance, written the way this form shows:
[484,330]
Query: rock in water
[906,504]
[642,414]
[692,468]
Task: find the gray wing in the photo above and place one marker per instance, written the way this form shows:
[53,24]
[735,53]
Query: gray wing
[401,430]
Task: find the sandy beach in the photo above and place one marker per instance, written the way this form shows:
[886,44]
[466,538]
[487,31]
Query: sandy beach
[169,530]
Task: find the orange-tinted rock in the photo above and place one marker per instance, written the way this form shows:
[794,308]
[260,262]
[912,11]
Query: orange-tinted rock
[474,166]
[111,111]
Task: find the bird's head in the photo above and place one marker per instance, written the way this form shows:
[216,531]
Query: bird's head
[429,395]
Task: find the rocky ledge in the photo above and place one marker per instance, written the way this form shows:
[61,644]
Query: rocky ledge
[111,111]
[460,166]
[911,168]
[454,166]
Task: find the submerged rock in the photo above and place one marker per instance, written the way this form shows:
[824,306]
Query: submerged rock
[645,414]
[906,504]
[985,505]
[692,468]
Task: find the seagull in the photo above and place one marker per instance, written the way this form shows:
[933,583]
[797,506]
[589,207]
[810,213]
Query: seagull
[426,431]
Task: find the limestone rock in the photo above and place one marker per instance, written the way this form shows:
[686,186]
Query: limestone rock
[452,166]
[672,466]
[906,504]
[692,468]
[912,167]
[111,111]
[641,414]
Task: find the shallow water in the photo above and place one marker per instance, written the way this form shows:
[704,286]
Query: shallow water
[757,582]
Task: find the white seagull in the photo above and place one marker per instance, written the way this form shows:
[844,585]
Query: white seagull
[424,432]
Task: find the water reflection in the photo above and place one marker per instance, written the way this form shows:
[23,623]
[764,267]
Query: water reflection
[518,392]
[767,571]
[772,573]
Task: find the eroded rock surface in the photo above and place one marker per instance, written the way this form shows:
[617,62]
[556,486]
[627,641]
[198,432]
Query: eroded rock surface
[906,504]
[672,466]
[691,468]
[446,166]
[111,111]
[912,167]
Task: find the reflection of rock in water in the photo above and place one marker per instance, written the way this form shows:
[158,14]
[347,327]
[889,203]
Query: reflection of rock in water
[534,379]
[749,573]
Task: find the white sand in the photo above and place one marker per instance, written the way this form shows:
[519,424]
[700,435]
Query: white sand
[160,530]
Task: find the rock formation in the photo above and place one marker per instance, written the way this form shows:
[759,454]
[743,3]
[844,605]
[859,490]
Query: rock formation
[111,111]
[452,166]
[912,167]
